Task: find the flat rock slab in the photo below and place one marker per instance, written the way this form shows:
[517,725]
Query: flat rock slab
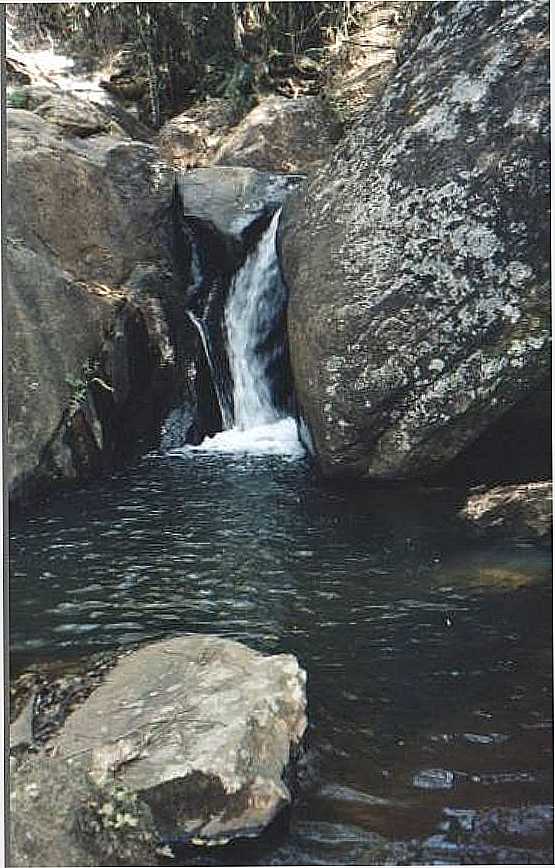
[233,198]
[521,510]
[201,728]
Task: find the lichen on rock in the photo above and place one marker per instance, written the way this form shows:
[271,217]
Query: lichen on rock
[417,259]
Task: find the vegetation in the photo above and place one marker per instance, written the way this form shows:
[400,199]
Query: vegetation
[17,99]
[179,53]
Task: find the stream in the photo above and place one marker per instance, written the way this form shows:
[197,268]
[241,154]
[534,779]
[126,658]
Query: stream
[428,654]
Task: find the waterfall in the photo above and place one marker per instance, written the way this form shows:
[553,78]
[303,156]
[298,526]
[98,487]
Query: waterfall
[255,348]
[255,298]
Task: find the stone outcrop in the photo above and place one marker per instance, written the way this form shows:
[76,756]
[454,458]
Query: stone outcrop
[202,729]
[282,135]
[278,135]
[88,292]
[417,260]
[75,117]
[233,199]
[518,511]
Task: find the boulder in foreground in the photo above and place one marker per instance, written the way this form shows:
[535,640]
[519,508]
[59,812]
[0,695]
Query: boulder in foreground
[203,729]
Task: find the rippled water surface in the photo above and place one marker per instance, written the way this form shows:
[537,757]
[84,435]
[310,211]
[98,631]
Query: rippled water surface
[429,654]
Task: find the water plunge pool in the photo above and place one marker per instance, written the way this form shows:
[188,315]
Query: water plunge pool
[428,654]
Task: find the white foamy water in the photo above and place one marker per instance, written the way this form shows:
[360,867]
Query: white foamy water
[274,438]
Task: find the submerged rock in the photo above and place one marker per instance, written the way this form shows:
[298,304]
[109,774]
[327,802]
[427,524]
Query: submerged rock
[201,728]
[417,260]
[515,510]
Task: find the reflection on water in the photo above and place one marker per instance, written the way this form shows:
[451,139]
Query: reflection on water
[429,655]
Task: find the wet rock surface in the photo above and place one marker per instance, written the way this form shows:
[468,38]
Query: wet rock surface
[203,729]
[522,511]
[233,199]
[220,215]
[417,260]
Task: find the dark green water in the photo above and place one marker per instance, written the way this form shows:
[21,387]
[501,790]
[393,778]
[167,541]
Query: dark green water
[425,649]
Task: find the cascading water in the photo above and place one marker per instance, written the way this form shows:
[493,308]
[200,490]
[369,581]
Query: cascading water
[255,296]
[255,302]
[223,402]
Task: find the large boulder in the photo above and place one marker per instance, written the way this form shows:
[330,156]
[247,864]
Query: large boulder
[282,135]
[55,327]
[95,205]
[74,117]
[418,259]
[233,199]
[203,729]
[87,255]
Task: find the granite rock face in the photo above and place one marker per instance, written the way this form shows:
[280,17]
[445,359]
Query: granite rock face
[202,729]
[89,281]
[418,259]
[523,511]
